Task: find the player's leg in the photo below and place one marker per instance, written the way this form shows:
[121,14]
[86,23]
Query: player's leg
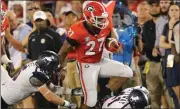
[119,71]
[103,91]
[88,77]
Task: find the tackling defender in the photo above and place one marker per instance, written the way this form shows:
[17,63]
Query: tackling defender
[33,77]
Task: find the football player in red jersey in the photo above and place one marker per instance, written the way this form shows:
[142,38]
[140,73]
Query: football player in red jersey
[88,37]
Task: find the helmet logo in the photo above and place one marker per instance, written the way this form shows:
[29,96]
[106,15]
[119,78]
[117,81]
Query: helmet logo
[49,58]
[134,98]
[90,8]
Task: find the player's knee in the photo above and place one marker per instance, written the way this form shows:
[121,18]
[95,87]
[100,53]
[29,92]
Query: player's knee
[128,71]
[92,100]
[92,103]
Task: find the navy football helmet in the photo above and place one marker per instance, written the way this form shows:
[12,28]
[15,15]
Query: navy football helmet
[138,99]
[48,61]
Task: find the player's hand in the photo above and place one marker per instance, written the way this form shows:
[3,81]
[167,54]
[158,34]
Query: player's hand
[77,92]
[120,48]
[69,105]
[114,46]
[72,106]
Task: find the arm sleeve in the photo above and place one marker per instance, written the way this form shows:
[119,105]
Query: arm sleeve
[72,37]
[72,42]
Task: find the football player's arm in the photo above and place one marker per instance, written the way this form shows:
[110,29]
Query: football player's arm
[114,34]
[65,49]
[112,44]
[58,90]
[68,45]
[51,97]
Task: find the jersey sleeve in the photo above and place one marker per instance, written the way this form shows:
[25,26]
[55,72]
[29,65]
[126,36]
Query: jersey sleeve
[72,37]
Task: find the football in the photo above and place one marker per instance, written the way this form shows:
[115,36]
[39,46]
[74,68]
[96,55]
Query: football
[113,45]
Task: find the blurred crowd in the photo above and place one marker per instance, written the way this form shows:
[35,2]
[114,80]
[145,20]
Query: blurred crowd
[150,45]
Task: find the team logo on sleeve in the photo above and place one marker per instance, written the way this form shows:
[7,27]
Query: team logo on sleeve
[70,32]
[87,39]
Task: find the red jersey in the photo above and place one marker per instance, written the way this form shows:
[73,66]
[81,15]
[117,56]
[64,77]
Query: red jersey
[88,48]
[71,55]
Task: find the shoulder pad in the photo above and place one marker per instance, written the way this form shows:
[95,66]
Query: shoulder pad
[38,78]
[35,82]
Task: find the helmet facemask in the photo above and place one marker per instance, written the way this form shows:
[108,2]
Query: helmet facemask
[100,22]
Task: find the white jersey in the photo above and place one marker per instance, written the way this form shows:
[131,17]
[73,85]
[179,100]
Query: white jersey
[19,87]
[120,101]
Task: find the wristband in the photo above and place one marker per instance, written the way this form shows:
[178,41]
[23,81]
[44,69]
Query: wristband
[66,103]
[46,93]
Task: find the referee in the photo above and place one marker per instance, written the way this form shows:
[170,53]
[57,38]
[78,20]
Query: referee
[43,38]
